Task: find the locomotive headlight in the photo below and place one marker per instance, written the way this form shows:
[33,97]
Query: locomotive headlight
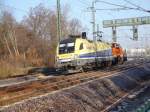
[75,56]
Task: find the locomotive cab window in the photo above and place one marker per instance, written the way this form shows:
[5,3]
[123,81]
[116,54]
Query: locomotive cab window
[66,48]
[71,47]
[81,46]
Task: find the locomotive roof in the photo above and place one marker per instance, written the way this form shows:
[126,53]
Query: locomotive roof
[69,40]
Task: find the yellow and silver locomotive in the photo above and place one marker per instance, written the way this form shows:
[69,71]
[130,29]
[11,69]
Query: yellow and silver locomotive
[77,52]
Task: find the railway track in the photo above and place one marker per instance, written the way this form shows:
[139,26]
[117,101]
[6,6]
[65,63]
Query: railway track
[35,76]
[19,92]
[134,98]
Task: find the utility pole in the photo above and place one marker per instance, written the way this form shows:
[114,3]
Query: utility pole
[114,34]
[58,21]
[58,38]
[93,10]
[99,33]
[97,30]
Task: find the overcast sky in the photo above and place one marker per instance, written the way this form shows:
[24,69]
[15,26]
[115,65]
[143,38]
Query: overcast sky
[78,9]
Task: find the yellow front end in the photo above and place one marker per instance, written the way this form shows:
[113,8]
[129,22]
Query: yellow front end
[66,53]
[65,60]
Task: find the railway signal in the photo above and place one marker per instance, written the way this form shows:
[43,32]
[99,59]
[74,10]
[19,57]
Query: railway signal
[135,33]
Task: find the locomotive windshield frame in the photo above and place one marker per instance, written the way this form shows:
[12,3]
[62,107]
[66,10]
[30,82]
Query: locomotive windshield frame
[67,46]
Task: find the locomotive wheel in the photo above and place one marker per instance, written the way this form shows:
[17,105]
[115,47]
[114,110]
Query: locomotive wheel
[103,64]
[120,60]
[115,61]
[85,68]
[109,63]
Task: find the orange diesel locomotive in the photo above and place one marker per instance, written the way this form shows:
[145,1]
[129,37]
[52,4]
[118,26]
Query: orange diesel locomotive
[118,53]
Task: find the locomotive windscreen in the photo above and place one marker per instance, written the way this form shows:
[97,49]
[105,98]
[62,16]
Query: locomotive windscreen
[67,46]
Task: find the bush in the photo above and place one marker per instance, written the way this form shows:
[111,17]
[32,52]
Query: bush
[9,70]
[14,66]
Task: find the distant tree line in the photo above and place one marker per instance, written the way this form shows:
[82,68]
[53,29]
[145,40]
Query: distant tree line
[32,42]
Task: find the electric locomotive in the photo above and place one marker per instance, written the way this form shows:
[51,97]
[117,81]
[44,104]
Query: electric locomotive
[77,52]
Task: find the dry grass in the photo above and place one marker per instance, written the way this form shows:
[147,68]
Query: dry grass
[20,65]
[9,70]
[14,66]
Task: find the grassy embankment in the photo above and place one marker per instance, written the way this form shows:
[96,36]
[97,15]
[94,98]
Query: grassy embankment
[12,67]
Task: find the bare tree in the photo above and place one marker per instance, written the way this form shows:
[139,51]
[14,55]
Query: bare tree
[75,26]
[8,34]
[35,37]
[38,21]
[43,23]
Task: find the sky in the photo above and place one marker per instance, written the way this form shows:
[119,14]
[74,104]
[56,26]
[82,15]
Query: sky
[79,9]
